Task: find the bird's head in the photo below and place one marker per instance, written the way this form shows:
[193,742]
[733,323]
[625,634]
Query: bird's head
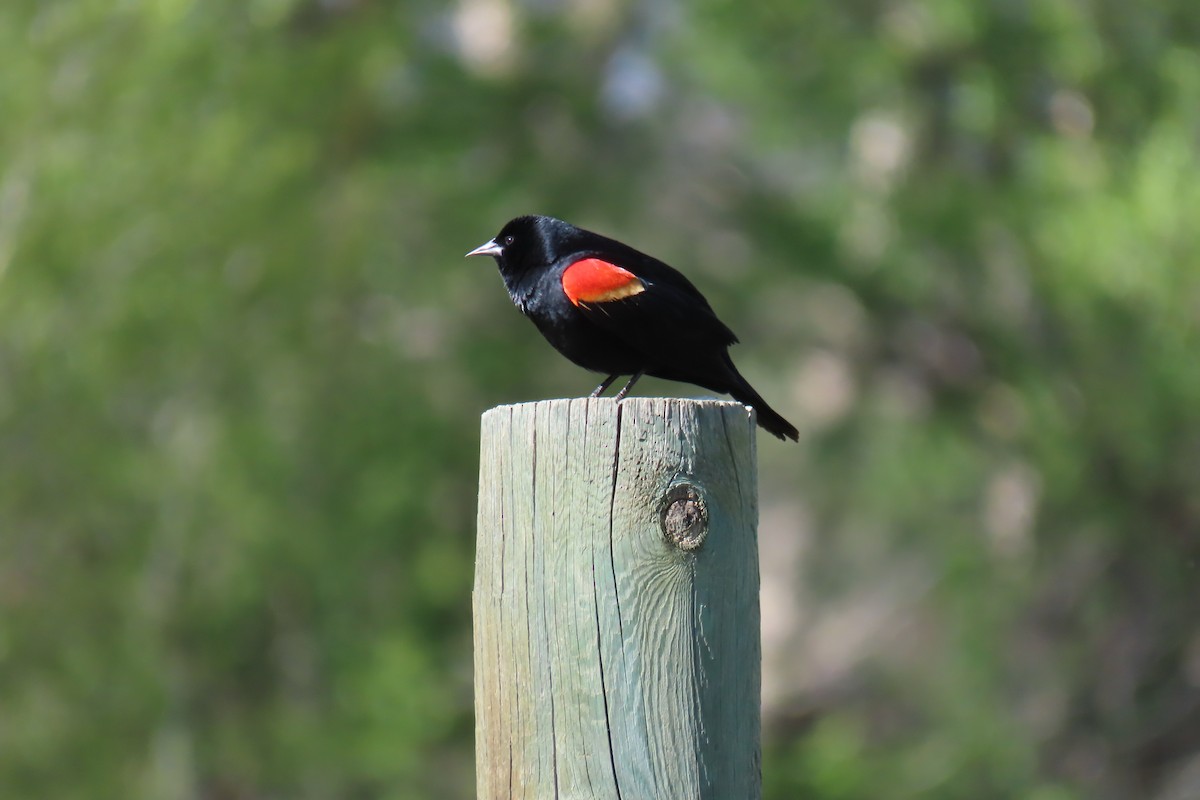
[528,243]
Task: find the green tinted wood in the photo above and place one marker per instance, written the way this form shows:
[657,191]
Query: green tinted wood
[611,661]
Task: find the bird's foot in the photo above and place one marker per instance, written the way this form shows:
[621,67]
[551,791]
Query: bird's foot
[607,383]
[625,390]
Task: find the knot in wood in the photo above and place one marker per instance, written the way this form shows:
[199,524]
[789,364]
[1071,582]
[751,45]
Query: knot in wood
[684,517]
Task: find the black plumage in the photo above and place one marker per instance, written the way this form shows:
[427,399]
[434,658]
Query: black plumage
[617,311]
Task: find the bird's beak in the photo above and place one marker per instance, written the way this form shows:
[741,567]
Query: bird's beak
[492,248]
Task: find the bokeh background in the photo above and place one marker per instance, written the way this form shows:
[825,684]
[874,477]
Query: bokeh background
[242,362]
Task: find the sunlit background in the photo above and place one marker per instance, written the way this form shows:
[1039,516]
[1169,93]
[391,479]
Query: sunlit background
[242,363]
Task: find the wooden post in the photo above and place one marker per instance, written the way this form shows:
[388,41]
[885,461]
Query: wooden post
[616,602]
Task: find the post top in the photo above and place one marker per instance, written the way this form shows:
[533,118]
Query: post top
[639,402]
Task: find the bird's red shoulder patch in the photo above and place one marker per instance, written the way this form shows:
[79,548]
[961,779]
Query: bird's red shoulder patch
[592,280]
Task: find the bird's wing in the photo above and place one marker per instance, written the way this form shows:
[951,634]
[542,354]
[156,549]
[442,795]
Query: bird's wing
[649,305]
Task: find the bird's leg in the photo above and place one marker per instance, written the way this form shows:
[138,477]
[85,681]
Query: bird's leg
[607,383]
[621,394]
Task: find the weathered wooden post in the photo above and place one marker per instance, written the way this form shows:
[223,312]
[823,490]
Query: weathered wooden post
[616,602]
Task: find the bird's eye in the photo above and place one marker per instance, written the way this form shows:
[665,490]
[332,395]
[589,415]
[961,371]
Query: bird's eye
[509,240]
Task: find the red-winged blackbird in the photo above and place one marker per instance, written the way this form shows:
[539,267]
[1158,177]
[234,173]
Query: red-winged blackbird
[617,311]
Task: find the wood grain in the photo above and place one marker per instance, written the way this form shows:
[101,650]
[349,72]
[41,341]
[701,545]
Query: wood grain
[611,662]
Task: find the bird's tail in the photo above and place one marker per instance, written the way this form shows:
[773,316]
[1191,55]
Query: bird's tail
[770,421]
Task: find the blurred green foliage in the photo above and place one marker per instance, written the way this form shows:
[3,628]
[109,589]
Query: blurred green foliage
[243,362]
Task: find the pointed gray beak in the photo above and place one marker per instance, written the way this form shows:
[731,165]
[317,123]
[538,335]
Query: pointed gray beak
[492,248]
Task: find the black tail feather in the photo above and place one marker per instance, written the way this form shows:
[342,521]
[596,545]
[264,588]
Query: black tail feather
[768,419]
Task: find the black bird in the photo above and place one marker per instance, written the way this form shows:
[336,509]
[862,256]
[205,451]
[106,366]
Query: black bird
[617,311]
